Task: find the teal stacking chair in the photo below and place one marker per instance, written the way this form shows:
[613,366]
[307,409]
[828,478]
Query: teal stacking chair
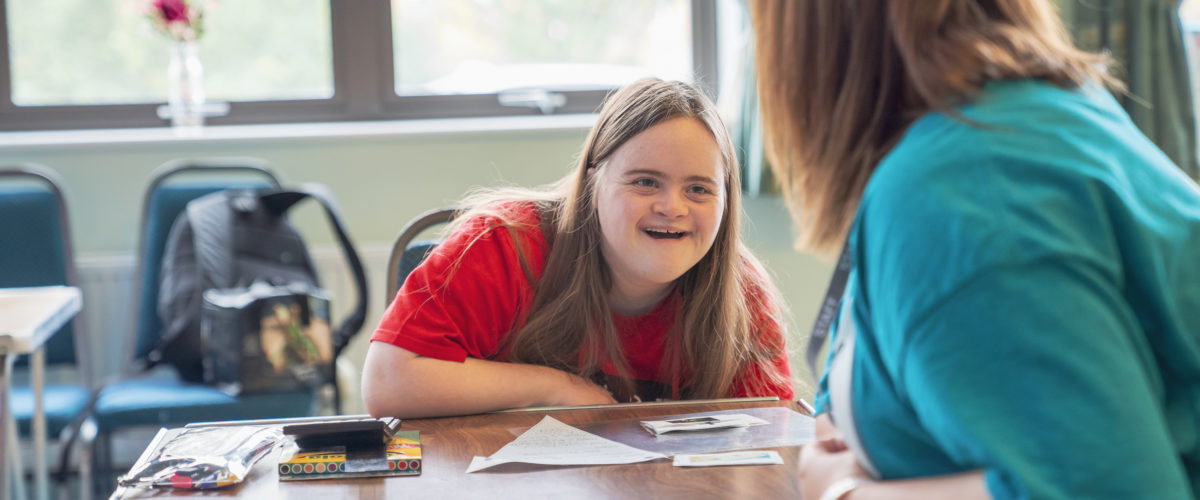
[158,397]
[408,252]
[36,250]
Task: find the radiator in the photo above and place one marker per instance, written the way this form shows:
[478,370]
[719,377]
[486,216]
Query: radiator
[107,283]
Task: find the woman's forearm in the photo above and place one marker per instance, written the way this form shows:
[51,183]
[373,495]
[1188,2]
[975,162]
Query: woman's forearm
[398,383]
[963,486]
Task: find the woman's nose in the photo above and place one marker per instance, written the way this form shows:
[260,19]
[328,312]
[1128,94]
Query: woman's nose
[671,204]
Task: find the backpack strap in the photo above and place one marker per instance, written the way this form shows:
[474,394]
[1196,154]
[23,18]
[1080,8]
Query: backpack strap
[211,218]
[279,202]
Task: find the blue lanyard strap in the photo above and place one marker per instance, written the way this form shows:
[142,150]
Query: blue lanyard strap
[829,310]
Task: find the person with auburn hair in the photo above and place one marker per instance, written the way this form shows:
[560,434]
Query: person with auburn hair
[625,281]
[1021,311]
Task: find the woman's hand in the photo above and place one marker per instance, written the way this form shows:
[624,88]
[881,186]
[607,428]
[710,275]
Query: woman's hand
[824,427]
[574,390]
[826,460]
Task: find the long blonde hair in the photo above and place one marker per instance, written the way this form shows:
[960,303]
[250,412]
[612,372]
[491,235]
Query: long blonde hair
[569,326]
[841,80]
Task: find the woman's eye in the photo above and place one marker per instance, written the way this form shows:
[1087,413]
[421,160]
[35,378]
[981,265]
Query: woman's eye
[645,182]
[699,190]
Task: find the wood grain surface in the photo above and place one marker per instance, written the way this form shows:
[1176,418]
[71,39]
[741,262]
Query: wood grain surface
[449,443]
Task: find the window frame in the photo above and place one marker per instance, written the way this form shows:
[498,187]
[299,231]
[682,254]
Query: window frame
[362,79]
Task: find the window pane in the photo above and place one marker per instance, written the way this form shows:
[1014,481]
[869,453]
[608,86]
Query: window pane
[486,46]
[267,50]
[1189,14]
[79,52]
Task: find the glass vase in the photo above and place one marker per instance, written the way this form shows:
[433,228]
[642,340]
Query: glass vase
[185,86]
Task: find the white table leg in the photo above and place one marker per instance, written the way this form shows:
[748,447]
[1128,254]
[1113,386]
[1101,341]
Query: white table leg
[15,471]
[12,446]
[38,430]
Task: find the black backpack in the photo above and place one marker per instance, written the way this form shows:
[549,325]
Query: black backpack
[234,238]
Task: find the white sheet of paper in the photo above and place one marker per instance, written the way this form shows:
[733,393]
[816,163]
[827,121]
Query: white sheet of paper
[551,442]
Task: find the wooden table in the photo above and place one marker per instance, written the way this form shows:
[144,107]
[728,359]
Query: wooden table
[29,316]
[449,443]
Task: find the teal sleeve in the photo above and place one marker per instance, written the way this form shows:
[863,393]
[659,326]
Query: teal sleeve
[1038,373]
[821,398]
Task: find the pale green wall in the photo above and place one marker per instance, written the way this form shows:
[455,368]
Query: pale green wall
[380,183]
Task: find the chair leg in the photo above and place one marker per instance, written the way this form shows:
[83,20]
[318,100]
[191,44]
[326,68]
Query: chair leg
[102,480]
[337,398]
[87,440]
[16,470]
[81,433]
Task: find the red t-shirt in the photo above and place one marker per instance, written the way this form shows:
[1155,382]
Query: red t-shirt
[466,298]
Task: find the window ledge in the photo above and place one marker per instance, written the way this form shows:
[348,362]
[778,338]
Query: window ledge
[293,131]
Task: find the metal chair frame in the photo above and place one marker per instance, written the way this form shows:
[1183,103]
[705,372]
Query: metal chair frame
[50,180]
[410,232]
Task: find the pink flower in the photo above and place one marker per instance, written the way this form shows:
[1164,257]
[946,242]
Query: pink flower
[172,10]
[180,20]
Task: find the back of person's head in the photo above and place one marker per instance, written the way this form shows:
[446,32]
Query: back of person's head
[840,81]
[570,311]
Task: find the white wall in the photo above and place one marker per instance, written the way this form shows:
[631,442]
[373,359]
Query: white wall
[381,174]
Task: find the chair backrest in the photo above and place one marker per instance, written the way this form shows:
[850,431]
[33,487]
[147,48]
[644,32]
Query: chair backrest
[36,249]
[407,253]
[166,196]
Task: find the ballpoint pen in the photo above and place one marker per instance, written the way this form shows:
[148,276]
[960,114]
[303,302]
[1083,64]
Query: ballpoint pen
[807,407]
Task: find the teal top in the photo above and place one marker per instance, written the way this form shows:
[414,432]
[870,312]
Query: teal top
[1026,297]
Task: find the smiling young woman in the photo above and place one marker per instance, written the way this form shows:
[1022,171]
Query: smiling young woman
[627,280]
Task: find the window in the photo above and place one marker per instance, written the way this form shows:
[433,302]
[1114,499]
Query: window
[84,64]
[1189,16]
[447,48]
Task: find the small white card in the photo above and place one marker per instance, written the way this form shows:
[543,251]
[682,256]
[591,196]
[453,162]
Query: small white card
[704,423]
[753,457]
